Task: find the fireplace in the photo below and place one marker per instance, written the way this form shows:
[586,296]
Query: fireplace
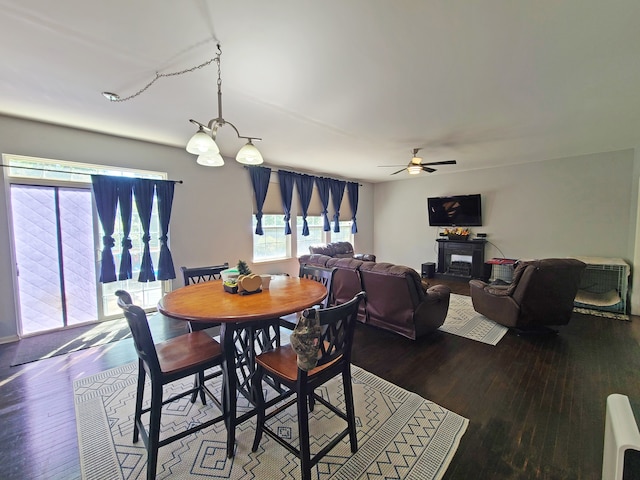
[461,259]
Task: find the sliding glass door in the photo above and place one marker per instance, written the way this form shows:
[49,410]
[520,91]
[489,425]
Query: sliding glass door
[57,241]
[55,254]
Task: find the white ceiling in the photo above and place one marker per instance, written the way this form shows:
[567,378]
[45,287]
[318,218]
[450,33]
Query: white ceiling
[337,86]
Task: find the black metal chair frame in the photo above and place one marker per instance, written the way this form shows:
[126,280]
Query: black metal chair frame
[192,276]
[338,324]
[319,274]
[149,363]
[202,274]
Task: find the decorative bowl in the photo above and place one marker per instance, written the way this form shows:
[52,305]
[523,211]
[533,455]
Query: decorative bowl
[460,238]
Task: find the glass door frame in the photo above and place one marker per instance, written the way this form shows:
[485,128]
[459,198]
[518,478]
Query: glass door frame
[165,286]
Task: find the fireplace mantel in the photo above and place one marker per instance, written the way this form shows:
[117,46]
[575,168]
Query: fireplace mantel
[461,259]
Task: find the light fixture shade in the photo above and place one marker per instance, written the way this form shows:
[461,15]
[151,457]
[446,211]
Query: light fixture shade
[249,155]
[414,169]
[210,160]
[202,143]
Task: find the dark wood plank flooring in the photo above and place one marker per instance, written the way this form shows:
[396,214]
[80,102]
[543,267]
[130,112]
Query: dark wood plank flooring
[536,405]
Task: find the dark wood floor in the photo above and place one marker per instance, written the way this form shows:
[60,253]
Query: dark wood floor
[535,406]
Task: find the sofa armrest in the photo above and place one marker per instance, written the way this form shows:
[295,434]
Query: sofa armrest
[365,257]
[432,311]
[437,292]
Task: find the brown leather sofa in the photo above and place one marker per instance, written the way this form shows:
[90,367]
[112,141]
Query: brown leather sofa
[395,299]
[341,250]
[541,293]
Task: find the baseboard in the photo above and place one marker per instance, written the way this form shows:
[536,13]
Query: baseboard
[13,338]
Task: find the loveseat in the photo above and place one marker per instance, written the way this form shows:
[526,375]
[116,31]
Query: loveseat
[340,250]
[396,300]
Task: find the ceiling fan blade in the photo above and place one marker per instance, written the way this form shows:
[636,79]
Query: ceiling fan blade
[401,170]
[444,162]
[390,165]
[427,169]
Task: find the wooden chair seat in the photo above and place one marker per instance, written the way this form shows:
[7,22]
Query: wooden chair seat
[186,352]
[282,362]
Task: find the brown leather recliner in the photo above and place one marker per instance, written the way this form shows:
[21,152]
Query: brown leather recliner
[541,293]
[396,300]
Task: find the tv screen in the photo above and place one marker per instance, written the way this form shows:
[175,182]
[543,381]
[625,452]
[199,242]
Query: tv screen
[459,211]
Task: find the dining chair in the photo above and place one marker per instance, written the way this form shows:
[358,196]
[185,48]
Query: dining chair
[165,362]
[337,326]
[192,276]
[319,274]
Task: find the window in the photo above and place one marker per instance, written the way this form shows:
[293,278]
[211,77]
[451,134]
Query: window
[316,235]
[344,235]
[274,244]
[145,294]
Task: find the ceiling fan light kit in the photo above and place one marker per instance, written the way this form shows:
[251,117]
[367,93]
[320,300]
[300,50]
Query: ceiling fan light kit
[416,166]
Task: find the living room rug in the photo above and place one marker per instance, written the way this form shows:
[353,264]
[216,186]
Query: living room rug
[400,434]
[464,321]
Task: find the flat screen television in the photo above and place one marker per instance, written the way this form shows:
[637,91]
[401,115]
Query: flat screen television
[455,211]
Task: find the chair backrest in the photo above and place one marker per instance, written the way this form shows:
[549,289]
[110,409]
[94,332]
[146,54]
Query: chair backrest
[202,274]
[394,293]
[338,325]
[139,326]
[322,275]
[545,289]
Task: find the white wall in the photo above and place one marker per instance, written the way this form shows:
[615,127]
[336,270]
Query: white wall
[211,217]
[582,205]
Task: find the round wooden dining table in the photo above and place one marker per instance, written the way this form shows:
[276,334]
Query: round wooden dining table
[249,325]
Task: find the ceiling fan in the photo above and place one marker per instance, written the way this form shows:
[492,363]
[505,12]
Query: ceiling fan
[415,166]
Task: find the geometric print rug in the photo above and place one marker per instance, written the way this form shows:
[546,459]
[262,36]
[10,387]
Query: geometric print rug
[400,434]
[464,321]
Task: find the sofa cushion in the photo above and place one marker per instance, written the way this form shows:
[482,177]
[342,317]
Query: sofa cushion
[342,248]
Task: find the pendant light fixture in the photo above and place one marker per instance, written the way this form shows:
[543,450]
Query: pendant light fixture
[203,142]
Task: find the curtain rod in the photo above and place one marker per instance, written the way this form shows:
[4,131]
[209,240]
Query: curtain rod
[304,173]
[74,173]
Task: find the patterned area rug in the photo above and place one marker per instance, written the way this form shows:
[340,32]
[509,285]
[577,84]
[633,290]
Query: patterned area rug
[464,321]
[400,435]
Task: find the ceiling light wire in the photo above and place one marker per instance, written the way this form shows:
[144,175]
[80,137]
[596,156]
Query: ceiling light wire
[114,97]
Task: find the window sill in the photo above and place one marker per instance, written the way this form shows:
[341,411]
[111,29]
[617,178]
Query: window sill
[272,260]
